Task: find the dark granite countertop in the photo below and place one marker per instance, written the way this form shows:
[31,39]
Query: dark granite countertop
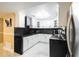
[45,28]
[54,37]
[29,34]
[57,37]
[23,35]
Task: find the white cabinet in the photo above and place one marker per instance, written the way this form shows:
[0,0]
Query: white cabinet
[33,39]
[25,43]
[45,37]
[30,43]
[36,37]
[41,37]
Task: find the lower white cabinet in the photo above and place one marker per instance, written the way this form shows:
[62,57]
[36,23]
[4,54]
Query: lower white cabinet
[33,39]
[45,37]
[36,37]
[25,43]
[29,41]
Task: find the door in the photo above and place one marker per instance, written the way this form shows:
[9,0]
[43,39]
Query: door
[1,32]
[70,35]
[8,31]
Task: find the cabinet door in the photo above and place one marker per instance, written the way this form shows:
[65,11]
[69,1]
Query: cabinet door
[41,37]
[25,43]
[31,43]
[36,38]
[45,37]
[33,40]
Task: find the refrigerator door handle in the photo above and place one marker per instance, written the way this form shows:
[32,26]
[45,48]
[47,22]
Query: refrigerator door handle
[70,34]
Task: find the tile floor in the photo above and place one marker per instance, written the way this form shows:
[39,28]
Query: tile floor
[39,50]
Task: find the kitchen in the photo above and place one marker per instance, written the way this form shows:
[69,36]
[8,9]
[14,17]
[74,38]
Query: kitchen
[40,26]
[38,29]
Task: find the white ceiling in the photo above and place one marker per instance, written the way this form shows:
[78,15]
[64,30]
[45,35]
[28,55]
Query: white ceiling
[29,7]
[16,6]
[50,8]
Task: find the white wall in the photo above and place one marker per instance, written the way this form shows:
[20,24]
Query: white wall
[22,15]
[34,22]
[75,8]
[46,23]
[49,23]
[63,13]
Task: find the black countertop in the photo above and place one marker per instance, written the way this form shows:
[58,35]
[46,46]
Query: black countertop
[23,35]
[46,28]
[28,34]
[31,31]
